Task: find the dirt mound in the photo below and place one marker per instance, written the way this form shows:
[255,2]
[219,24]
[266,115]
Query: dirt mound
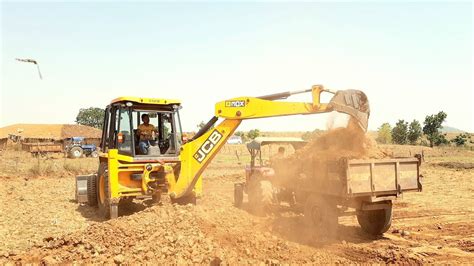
[456,165]
[50,131]
[166,234]
[343,142]
[326,153]
[68,131]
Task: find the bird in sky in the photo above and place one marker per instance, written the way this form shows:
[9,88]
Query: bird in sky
[31,61]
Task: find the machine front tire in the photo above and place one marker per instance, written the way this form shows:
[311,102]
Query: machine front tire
[375,222]
[76,152]
[94,154]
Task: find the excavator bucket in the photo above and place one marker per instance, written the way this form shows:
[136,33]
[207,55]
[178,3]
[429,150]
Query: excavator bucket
[354,103]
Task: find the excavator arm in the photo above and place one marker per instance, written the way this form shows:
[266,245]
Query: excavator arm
[196,155]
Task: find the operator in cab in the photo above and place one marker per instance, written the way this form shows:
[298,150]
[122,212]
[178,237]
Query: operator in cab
[147,133]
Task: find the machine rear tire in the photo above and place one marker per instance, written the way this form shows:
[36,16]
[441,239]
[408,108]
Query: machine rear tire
[238,194]
[92,190]
[106,208]
[75,152]
[375,222]
[321,216]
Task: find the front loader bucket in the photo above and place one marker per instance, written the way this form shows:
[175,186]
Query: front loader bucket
[354,103]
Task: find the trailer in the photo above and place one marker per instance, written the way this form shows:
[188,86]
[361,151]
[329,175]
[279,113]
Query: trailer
[42,148]
[326,189]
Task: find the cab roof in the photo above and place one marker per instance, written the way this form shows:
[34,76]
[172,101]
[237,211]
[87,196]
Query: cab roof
[258,142]
[141,100]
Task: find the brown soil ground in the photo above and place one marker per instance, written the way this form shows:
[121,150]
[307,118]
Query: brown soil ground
[40,222]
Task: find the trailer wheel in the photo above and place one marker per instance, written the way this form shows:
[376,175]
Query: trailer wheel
[375,222]
[320,214]
[106,208]
[261,195]
[76,152]
[92,190]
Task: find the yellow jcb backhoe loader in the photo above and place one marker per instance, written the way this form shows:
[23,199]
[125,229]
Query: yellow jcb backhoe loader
[175,167]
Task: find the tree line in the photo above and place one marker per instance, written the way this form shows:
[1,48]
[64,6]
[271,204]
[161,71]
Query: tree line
[411,133]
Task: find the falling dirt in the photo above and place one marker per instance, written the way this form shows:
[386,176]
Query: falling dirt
[324,151]
[342,142]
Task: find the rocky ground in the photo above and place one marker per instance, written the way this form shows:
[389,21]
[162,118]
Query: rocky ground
[41,223]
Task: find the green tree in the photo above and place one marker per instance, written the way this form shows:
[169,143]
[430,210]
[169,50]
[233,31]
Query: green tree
[384,134]
[92,116]
[461,139]
[432,125]
[400,132]
[241,134]
[414,132]
[252,134]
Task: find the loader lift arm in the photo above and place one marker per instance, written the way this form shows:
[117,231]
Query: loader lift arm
[196,155]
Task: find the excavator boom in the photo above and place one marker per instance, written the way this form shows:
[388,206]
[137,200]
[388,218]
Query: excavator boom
[196,155]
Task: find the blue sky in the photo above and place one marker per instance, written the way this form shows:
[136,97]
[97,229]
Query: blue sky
[412,59]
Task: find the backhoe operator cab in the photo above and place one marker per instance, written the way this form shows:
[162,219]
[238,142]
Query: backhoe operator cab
[123,117]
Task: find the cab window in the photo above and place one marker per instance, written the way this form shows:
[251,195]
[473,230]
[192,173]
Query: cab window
[124,135]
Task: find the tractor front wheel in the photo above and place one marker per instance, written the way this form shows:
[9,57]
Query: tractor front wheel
[261,196]
[238,194]
[76,152]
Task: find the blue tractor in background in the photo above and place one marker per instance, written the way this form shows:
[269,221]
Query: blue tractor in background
[76,148]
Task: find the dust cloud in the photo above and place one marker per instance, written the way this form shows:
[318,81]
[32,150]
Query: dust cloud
[318,167]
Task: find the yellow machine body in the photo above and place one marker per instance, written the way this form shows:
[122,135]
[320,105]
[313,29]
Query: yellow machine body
[182,173]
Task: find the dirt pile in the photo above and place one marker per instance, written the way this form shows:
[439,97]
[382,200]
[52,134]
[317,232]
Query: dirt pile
[327,152]
[50,131]
[166,234]
[349,142]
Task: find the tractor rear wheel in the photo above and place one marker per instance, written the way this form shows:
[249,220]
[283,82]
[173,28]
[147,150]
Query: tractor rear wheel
[106,208]
[375,222]
[76,152]
[92,190]
[321,216]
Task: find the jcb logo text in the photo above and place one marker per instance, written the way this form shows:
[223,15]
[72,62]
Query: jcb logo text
[207,146]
